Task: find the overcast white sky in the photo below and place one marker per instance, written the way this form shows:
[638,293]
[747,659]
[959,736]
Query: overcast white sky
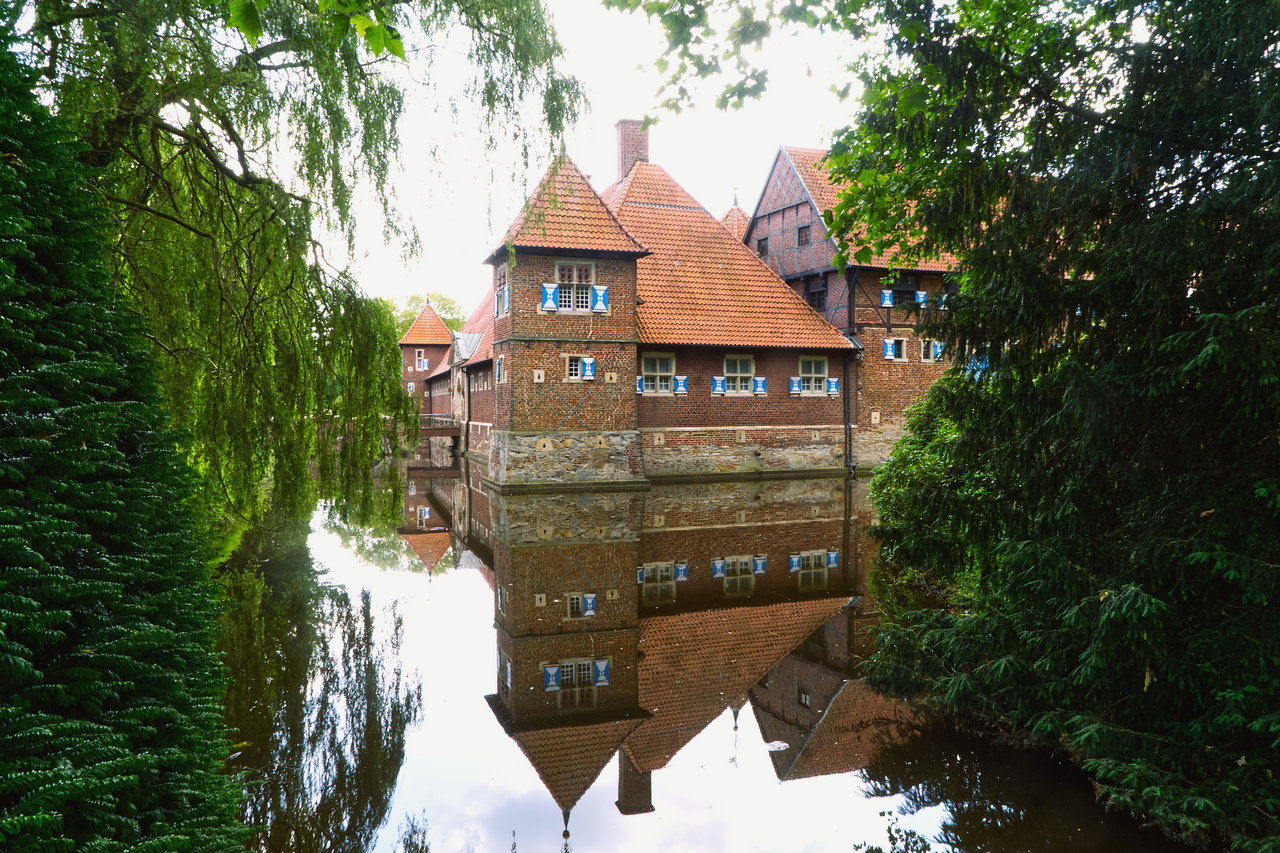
[462,199]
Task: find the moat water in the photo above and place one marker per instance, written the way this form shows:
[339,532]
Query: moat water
[374,710]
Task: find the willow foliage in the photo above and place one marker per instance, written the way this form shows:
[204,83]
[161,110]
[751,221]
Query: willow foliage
[111,734]
[220,149]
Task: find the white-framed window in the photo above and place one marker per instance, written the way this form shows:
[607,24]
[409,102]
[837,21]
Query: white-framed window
[895,349]
[931,350]
[413,489]
[579,368]
[501,292]
[738,372]
[575,681]
[658,583]
[419,360]
[656,370]
[408,387]
[739,580]
[812,568]
[574,286]
[813,375]
[580,605]
[424,513]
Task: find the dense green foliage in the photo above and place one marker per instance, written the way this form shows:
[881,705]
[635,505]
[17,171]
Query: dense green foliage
[110,725]
[220,156]
[1104,461]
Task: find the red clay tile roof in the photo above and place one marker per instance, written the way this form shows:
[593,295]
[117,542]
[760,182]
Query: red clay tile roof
[481,321]
[848,734]
[736,220]
[430,547]
[813,174]
[566,213]
[569,758]
[696,665]
[700,285]
[428,328]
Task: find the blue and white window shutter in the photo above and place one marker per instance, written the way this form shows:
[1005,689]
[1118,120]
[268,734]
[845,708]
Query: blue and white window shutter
[600,668]
[795,384]
[922,296]
[757,385]
[793,563]
[639,384]
[888,348]
[549,296]
[588,368]
[886,298]
[937,350]
[681,384]
[639,574]
[717,384]
[506,300]
[599,298]
[550,677]
[508,674]
[717,568]
[757,564]
[682,570]
[833,385]
[589,604]
[833,559]
[497,303]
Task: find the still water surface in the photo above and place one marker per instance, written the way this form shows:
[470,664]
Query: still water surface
[373,699]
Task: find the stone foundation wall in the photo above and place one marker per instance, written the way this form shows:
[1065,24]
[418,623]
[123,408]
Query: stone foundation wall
[735,450]
[564,457]
[872,445]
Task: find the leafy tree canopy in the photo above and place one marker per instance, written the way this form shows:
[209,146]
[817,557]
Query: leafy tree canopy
[408,309]
[1103,463]
[224,133]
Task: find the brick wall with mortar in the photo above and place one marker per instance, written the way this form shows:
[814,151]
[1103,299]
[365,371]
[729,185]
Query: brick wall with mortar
[633,145]
[410,372]
[527,319]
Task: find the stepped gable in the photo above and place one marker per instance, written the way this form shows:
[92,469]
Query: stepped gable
[427,329]
[696,665]
[736,221]
[568,758]
[566,215]
[809,167]
[700,285]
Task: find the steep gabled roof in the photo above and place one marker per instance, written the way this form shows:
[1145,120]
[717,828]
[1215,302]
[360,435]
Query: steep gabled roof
[812,171]
[569,758]
[479,323]
[427,329]
[700,285]
[736,221]
[566,214]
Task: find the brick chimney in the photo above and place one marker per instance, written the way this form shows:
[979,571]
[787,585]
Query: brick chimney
[635,789]
[633,145]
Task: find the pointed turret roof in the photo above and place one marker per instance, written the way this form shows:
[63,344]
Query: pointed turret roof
[736,221]
[566,215]
[427,329]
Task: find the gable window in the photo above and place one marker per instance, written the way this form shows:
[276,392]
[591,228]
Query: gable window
[657,370]
[813,375]
[738,372]
[501,292]
[817,299]
[803,697]
[762,246]
[895,349]
[574,286]
[658,583]
[802,235]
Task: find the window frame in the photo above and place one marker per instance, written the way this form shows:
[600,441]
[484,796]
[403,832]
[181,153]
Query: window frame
[818,381]
[573,296]
[740,582]
[926,351]
[899,350]
[739,378]
[804,234]
[660,578]
[657,390]
[501,291]
[762,246]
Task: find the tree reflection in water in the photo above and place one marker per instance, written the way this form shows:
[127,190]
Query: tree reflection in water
[1000,799]
[317,699]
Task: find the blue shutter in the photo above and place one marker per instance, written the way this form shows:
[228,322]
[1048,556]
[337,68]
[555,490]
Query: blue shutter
[682,571]
[937,350]
[497,302]
[757,565]
[549,296]
[757,385]
[506,299]
[588,368]
[833,559]
[795,384]
[601,668]
[717,568]
[922,296]
[793,563]
[550,677]
[508,675]
[599,298]
[833,385]
[639,574]
[639,384]
[717,384]
[589,604]
[888,349]
[886,298]
[682,384]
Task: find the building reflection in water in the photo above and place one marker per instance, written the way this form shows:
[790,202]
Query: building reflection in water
[627,622]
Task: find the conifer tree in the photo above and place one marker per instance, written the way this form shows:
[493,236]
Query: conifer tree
[110,725]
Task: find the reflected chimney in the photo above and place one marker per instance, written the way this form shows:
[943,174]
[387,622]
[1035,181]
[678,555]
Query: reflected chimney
[635,789]
[633,145]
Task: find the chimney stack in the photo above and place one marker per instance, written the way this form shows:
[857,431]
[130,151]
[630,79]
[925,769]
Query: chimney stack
[635,789]
[633,145]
